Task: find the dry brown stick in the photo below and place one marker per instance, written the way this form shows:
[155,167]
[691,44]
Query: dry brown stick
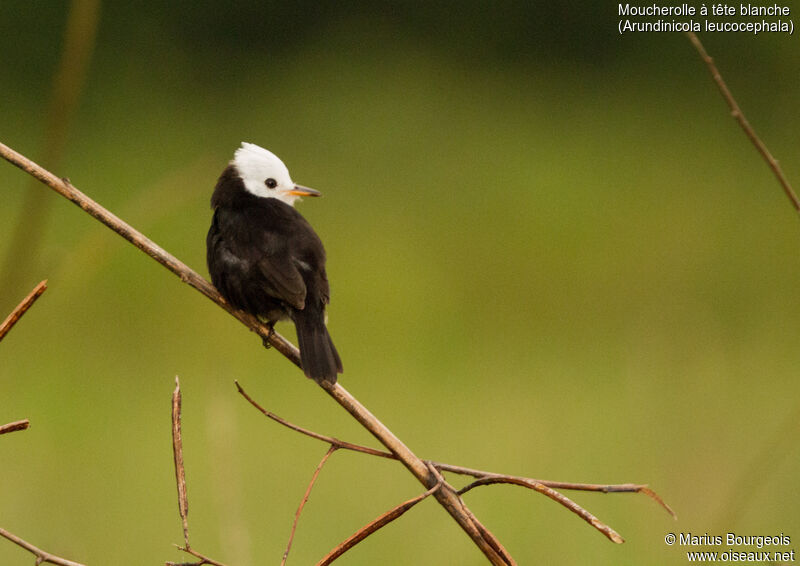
[42,557]
[495,543]
[22,308]
[177,452]
[180,480]
[481,474]
[15,426]
[447,498]
[329,439]
[572,486]
[193,552]
[555,496]
[498,547]
[374,525]
[303,502]
[739,116]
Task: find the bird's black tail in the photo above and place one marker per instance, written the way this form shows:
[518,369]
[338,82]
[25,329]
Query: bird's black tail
[318,355]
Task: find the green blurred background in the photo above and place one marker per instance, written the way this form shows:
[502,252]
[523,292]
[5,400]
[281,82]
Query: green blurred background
[552,254]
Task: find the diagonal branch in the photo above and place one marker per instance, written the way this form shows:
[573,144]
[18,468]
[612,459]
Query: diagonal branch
[485,478]
[303,502]
[374,525]
[42,557]
[22,308]
[499,548]
[329,439]
[15,426]
[446,497]
[552,494]
[739,116]
[203,559]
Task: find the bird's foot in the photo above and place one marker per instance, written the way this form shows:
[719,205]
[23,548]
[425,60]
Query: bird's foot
[270,334]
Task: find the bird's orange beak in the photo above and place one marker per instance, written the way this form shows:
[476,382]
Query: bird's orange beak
[302,191]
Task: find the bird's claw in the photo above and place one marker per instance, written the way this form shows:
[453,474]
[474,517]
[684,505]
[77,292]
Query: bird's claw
[266,339]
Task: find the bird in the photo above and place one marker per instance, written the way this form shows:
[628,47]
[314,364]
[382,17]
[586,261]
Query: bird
[265,258]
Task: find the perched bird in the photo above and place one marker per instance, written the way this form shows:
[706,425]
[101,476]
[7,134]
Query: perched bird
[265,258]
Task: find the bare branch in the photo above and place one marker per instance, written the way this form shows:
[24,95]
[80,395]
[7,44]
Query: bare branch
[15,426]
[327,455]
[203,559]
[22,308]
[545,487]
[177,451]
[499,548]
[739,116]
[485,477]
[329,439]
[446,497]
[373,526]
[42,557]
[180,480]
[555,496]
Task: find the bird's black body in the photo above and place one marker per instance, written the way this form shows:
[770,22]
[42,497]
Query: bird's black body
[265,259]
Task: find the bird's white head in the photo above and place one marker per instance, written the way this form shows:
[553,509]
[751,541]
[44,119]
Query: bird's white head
[264,175]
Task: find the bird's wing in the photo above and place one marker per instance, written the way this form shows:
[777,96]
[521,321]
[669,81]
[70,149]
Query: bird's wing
[281,278]
[262,258]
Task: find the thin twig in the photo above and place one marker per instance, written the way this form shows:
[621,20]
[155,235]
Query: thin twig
[42,557]
[739,116]
[555,496]
[193,552]
[22,308]
[177,452]
[299,511]
[329,439]
[15,426]
[484,477]
[180,480]
[373,526]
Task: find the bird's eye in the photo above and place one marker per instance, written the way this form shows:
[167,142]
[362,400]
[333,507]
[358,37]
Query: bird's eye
[271,183]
